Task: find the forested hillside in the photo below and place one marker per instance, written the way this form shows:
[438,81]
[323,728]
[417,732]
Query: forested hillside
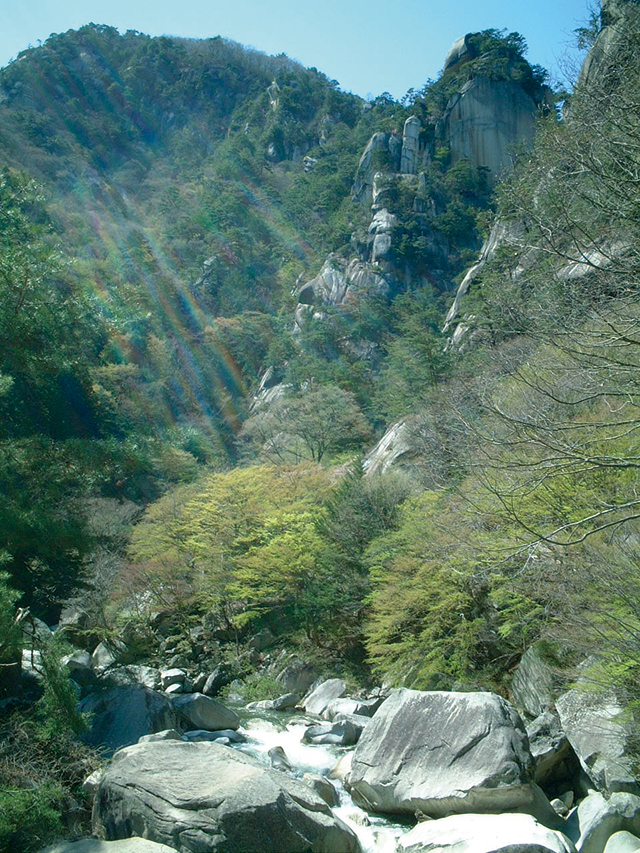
[284,369]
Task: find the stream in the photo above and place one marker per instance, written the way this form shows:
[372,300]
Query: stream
[266,729]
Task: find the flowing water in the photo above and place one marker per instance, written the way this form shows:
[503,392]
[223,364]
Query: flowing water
[267,729]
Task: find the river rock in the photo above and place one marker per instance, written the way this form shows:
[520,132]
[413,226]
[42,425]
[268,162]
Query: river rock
[593,723]
[342,733]
[556,764]
[322,787]
[597,818]
[345,706]
[207,797]
[342,768]
[282,703]
[122,715]
[172,676]
[623,842]
[356,720]
[78,665]
[94,845]
[279,759]
[167,734]
[201,712]
[319,698]
[479,833]
[444,753]
[202,735]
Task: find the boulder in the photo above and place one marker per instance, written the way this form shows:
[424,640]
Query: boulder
[219,678]
[262,640]
[167,734]
[356,720]
[228,734]
[78,665]
[368,707]
[342,768]
[35,631]
[597,818]
[479,833]
[623,842]
[319,698]
[459,51]
[444,753]
[94,845]
[92,782]
[342,733]
[208,797]
[556,764]
[600,736]
[121,715]
[75,626]
[279,759]
[338,706]
[172,676]
[32,662]
[532,683]
[323,788]
[201,712]
[102,658]
[282,703]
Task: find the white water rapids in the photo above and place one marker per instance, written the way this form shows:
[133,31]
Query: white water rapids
[376,834]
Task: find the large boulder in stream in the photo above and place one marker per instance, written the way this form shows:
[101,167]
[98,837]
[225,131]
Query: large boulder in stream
[206,797]
[197,711]
[444,753]
[480,833]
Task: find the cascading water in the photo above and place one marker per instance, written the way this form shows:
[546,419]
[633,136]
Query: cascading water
[270,729]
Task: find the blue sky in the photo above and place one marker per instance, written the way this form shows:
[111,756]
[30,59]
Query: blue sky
[368,46]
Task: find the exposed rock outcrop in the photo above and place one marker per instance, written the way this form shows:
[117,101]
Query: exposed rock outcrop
[410,154]
[389,146]
[609,40]
[392,446]
[486,121]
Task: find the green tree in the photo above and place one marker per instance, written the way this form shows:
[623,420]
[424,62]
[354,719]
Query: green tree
[316,422]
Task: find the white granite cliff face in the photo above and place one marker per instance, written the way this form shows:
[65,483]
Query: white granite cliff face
[486,121]
[610,39]
[410,154]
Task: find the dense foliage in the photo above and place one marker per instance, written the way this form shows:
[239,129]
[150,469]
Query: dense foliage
[147,280]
